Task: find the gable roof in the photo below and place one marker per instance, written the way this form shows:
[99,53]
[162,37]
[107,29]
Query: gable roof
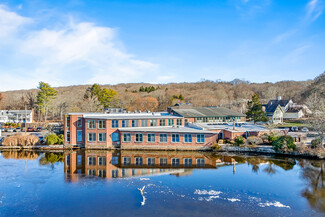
[272,105]
[207,112]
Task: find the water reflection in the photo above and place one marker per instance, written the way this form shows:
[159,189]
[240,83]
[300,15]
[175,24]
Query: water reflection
[123,164]
[313,173]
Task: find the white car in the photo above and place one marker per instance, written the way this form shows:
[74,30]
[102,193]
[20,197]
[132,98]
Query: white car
[305,129]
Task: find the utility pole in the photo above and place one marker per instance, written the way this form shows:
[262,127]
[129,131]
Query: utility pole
[25,118]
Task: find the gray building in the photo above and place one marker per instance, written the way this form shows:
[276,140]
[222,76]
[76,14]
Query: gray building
[16,116]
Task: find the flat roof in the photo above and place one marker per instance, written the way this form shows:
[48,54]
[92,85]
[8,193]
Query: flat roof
[225,126]
[167,129]
[126,116]
[208,112]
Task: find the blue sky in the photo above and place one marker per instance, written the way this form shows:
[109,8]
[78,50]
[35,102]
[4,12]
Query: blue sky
[108,42]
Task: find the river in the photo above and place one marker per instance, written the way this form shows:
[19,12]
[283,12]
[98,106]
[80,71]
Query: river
[145,183]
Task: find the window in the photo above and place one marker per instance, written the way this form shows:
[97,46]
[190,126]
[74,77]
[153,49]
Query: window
[153,123]
[126,137]
[101,161]
[162,122]
[125,123]
[138,137]
[186,122]
[135,123]
[115,137]
[188,162]
[162,137]
[188,138]
[150,161]
[114,123]
[163,161]
[92,172]
[126,161]
[102,124]
[101,137]
[79,135]
[79,160]
[138,161]
[92,124]
[68,160]
[79,122]
[68,122]
[200,138]
[175,162]
[114,160]
[179,122]
[114,173]
[92,137]
[175,138]
[91,161]
[151,137]
[144,123]
[200,162]
[101,173]
[170,122]
[67,136]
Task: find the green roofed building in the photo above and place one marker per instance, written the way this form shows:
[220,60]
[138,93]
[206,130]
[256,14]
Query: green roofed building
[207,114]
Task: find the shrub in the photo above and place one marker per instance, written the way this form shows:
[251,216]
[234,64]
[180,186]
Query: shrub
[272,137]
[52,139]
[254,140]
[239,140]
[216,146]
[21,140]
[316,142]
[284,143]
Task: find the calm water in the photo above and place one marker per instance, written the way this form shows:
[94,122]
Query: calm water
[104,183]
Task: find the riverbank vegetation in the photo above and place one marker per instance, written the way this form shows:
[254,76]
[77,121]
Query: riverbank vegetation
[20,140]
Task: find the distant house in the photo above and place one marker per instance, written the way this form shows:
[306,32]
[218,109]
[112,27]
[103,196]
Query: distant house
[274,112]
[290,110]
[294,113]
[16,116]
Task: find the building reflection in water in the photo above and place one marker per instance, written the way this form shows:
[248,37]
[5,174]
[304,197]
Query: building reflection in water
[122,164]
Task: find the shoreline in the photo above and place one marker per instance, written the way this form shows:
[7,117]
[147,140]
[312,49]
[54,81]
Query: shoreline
[259,150]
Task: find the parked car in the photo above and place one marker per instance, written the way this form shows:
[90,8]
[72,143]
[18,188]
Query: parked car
[305,129]
[18,129]
[3,129]
[294,129]
[30,129]
[39,129]
[10,130]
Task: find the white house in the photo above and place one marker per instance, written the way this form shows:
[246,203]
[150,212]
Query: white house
[16,116]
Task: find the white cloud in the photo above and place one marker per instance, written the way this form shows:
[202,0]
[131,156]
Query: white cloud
[75,53]
[314,9]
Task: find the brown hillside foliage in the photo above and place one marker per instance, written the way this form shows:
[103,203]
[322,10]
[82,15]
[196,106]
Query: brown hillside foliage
[21,140]
[232,95]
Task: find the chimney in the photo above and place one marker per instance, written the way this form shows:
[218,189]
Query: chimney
[279,98]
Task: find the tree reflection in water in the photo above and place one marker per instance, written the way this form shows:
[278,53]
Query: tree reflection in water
[51,158]
[313,173]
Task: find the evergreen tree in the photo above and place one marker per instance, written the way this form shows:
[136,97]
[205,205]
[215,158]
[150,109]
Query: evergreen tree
[44,96]
[255,112]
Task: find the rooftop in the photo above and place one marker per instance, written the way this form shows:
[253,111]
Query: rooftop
[240,127]
[126,116]
[167,129]
[207,112]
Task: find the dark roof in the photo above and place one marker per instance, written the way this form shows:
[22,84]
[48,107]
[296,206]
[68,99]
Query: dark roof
[271,106]
[207,112]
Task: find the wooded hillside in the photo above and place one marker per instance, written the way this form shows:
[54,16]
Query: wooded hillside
[145,96]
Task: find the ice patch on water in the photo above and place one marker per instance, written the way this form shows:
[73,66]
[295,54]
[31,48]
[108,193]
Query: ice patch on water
[233,199]
[276,204]
[144,179]
[211,198]
[205,192]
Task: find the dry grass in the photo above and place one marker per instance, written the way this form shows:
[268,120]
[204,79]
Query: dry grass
[21,140]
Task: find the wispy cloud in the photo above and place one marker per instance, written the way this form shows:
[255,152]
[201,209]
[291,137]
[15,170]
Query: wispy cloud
[76,52]
[314,9]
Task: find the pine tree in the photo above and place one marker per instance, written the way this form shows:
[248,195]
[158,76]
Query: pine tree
[255,112]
